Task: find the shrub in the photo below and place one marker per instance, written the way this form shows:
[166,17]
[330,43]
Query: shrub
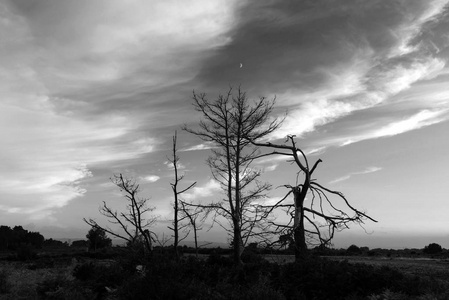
[5,285]
[251,255]
[84,271]
[25,252]
[432,249]
[60,288]
[353,250]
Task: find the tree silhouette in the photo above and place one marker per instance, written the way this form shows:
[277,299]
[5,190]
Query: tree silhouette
[316,212]
[97,239]
[177,193]
[432,248]
[135,221]
[228,123]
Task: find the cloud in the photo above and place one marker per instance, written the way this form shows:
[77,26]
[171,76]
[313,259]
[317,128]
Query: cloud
[271,168]
[151,178]
[346,177]
[203,146]
[77,87]
[328,62]
[419,120]
[45,157]
[208,190]
[170,165]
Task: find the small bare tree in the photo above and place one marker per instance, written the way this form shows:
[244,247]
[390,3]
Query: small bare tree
[177,226]
[320,216]
[229,123]
[196,217]
[135,221]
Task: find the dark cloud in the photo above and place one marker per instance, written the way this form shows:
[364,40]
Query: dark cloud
[288,44]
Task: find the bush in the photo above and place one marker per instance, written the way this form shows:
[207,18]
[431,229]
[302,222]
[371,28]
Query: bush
[60,288]
[25,252]
[84,271]
[353,250]
[432,249]
[5,285]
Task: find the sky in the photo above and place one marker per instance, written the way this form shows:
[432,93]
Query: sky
[94,88]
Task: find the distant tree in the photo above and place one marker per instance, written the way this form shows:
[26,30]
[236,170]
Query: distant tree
[320,216]
[177,192]
[11,239]
[80,244]
[97,239]
[135,221]
[51,243]
[353,250]
[228,123]
[432,248]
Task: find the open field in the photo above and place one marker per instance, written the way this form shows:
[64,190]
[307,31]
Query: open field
[53,277]
[437,268]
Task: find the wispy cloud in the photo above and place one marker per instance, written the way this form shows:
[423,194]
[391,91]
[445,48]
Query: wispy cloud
[170,165]
[203,146]
[75,87]
[346,177]
[334,69]
[422,119]
[209,190]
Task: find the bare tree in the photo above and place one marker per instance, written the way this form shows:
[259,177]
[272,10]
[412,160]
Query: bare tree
[177,193]
[135,221]
[193,214]
[229,122]
[320,216]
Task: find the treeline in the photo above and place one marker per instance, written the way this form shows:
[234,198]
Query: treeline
[12,239]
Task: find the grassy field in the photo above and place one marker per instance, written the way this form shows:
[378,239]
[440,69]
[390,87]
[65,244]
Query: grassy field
[53,278]
[435,268]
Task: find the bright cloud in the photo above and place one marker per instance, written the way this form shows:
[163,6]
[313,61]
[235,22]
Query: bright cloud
[151,178]
[271,168]
[71,80]
[204,146]
[422,119]
[366,171]
[210,190]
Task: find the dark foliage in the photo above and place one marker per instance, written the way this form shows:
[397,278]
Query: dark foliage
[315,278]
[25,252]
[432,249]
[5,285]
[80,244]
[97,239]
[51,243]
[60,288]
[353,250]
[12,239]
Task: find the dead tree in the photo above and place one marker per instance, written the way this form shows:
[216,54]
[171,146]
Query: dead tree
[135,221]
[193,214]
[229,122]
[313,213]
[177,226]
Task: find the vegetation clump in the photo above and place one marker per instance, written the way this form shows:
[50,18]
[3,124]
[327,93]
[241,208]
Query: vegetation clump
[432,248]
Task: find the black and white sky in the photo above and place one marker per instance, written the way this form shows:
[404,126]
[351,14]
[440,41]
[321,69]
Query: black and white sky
[92,88]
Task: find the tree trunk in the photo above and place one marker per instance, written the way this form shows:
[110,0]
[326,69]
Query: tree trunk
[196,239]
[298,231]
[237,244]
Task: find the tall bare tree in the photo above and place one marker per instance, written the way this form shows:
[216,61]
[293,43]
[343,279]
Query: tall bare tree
[135,221]
[177,193]
[317,218]
[229,122]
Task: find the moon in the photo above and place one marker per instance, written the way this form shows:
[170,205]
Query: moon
[241,65]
